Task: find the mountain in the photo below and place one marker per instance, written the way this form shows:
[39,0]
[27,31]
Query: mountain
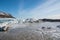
[5,15]
[51,20]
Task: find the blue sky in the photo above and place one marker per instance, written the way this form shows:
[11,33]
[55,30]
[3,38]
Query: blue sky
[31,8]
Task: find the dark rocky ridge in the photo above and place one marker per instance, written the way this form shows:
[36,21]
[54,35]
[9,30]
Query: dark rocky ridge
[51,20]
[5,15]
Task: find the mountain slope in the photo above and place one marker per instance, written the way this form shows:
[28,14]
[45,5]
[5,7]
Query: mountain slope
[5,15]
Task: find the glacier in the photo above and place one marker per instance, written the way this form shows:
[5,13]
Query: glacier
[30,31]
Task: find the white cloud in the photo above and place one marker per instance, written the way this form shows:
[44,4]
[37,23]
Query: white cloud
[56,16]
[48,8]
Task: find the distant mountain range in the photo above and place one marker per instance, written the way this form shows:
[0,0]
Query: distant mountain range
[41,20]
[51,20]
[5,15]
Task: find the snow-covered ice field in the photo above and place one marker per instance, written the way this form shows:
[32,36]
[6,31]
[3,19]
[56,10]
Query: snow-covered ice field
[32,31]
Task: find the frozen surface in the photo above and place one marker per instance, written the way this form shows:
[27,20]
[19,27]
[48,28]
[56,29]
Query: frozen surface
[32,31]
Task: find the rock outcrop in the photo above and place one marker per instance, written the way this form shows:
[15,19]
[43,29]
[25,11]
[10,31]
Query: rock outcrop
[5,15]
[51,20]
